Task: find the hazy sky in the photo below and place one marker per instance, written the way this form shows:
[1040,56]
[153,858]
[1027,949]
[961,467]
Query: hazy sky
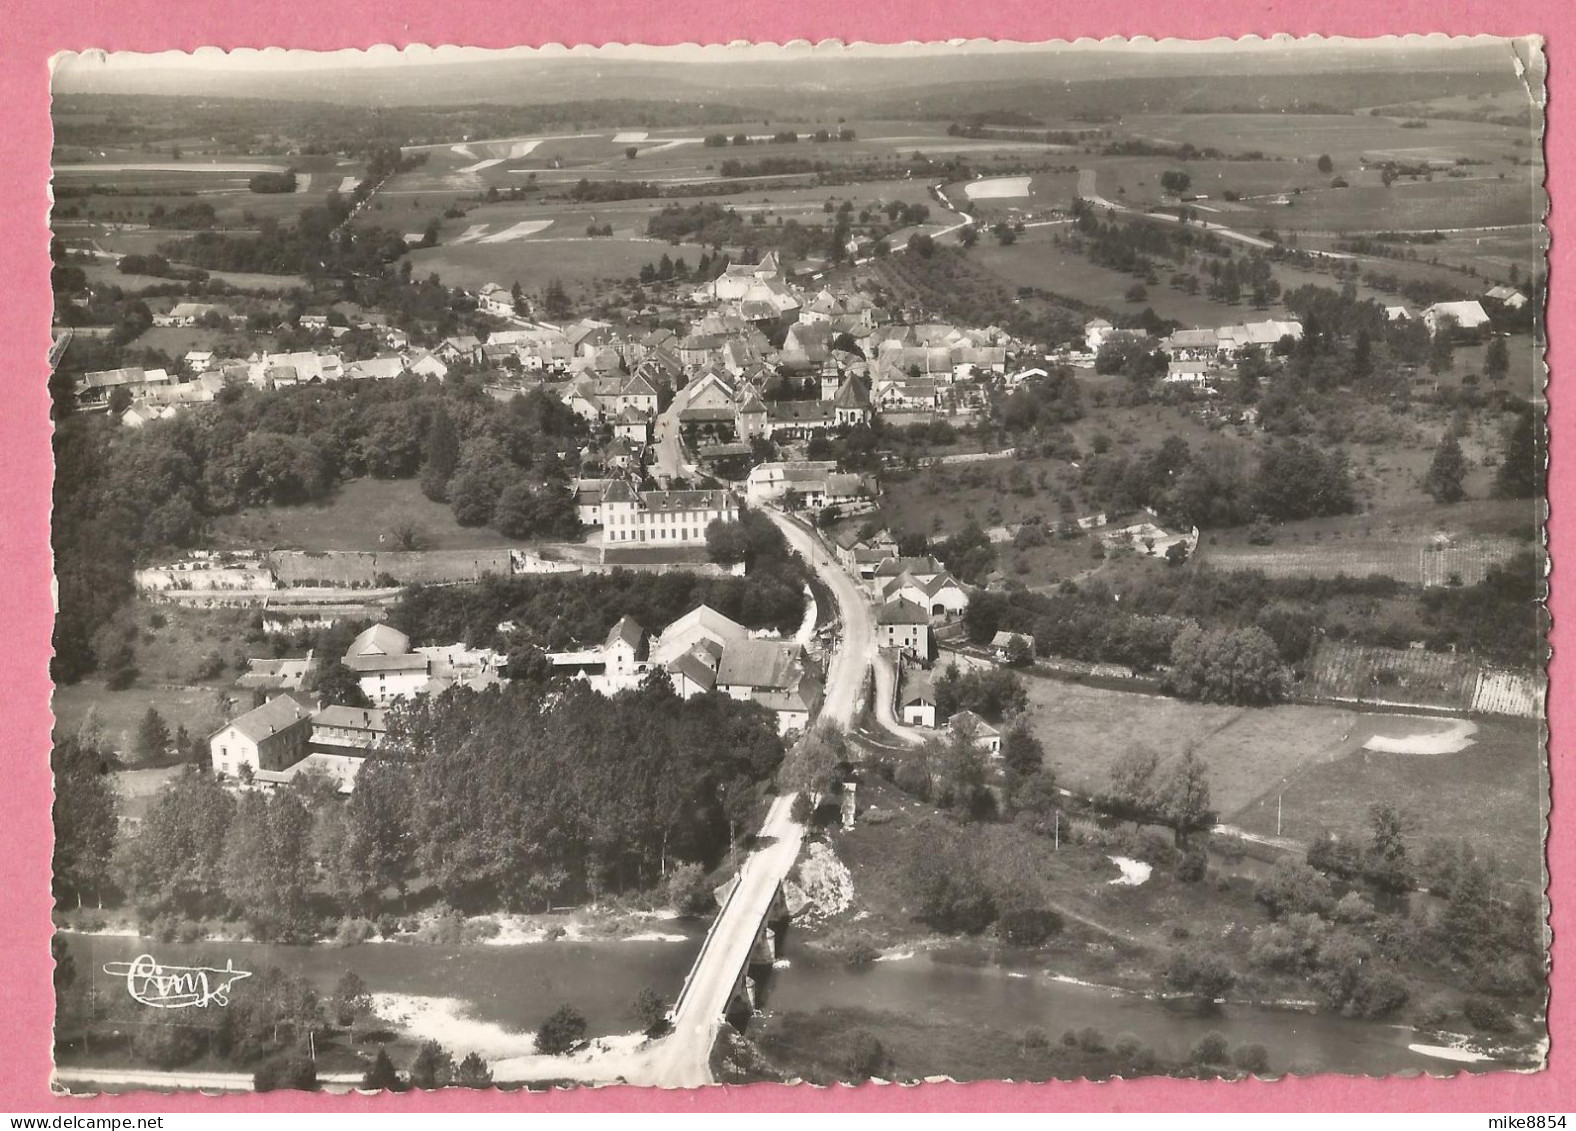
[277,59]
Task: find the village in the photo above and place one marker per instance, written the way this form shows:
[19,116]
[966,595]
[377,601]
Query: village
[916,566]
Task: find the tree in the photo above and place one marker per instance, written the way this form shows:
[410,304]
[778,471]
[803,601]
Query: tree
[405,533]
[1326,166]
[442,455]
[948,885]
[1184,797]
[1292,887]
[1201,972]
[1130,790]
[1496,359]
[336,684]
[922,245]
[561,1032]
[1385,863]
[381,1076]
[1446,472]
[555,301]
[649,1008]
[1175,181]
[631,151]
[1227,665]
[153,737]
[1520,475]
[474,1072]
[1021,752]
[85,817]
[378,848]
[1442,350]
[432,1068]
[351,999]
[1035,802]
[1020,651]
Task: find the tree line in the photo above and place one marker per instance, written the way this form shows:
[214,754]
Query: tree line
[123,495]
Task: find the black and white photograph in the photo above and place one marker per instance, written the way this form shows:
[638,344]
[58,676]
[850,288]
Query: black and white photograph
[697,565]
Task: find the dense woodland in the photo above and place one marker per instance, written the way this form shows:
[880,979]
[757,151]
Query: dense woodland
[124,495]
[506,799]
[556,612]
[1276,621]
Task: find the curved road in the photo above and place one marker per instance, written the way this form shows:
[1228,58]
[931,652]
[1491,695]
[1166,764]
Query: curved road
[682,1059]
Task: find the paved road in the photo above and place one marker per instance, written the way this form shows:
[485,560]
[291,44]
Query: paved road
[845,675]
[681,1060]
[1086,190]
[669,449]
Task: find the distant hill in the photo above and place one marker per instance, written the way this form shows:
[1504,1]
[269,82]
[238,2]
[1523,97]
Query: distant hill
[785,87]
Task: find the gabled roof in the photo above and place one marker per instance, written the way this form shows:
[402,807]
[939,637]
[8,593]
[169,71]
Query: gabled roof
[982,729]
[854,393]
[694,669]
[618,491]
[379,640]
[628,631]
[902,611]
[917,688]
[919,567]
[271,718]
[1004,639]
[759,663]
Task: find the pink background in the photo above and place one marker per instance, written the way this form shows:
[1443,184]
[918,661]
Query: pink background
[34,31]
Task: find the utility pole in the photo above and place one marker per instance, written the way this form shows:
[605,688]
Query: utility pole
[1278,797]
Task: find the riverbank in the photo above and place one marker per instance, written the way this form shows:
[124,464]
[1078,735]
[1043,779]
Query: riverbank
[432,927]
[1117,935]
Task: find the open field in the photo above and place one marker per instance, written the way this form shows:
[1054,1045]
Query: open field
[1087,729]
[127,190]
[1491,793]
[1403,558]
[534,263]
[1314,758]
[118,713]
[356,518]
[1036,260]
[1345,137]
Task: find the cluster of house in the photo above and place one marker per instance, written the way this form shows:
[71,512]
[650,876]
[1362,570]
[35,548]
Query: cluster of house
[388,669]
[156,394]
[811,485]
[703,651]
[917,708]
[290,734]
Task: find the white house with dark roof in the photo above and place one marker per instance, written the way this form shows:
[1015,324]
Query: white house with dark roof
[662,518]
[624,649]
[265,740]
[917,700]
[385,666]
[905,626]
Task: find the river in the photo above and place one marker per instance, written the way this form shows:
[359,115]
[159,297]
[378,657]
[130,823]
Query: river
[942,987]
[514,987]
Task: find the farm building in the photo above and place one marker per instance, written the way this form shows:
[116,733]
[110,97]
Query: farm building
[1469,316]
